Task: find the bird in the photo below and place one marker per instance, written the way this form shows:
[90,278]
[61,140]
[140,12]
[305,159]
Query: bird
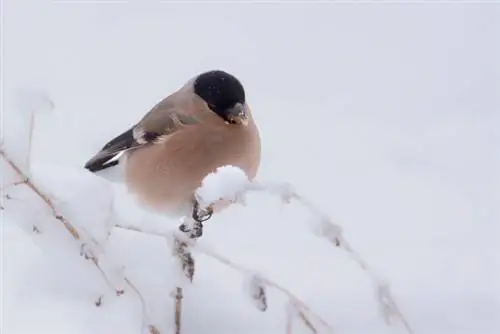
[205,124]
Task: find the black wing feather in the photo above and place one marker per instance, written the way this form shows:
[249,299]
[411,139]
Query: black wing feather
[157,126]
[114,147]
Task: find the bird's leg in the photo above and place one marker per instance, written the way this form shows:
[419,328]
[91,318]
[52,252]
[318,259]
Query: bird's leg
[193,229]
[199,216]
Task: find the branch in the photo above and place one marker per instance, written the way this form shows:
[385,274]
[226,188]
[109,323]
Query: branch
[74,233]
[322,226]
[178,309]
[231,184]
[40,194]
[303,311]
[333,233]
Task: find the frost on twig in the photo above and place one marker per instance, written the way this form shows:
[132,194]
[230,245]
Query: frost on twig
[181,251]
[192,229]
[312,320]
[305,313]
[231,184]
[15,161]
[227,183]
[178,310]
[58,216]
[296,311]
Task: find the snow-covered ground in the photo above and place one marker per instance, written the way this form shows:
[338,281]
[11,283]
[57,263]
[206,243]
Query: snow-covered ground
[385,115]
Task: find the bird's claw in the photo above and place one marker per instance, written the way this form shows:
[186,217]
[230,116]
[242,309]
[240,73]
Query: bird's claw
[194,231]
[202,214]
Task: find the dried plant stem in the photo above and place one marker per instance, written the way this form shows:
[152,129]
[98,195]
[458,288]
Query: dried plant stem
[178,303]
[302,309]
[74,233]
[307,322]
[178,309]
[334,235]
[151,328]
[304,312]
[332,232]
[187,263]
[42,196]
[12,184]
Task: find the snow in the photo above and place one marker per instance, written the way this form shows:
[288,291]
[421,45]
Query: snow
[384,116]
[86,200]
[226,183]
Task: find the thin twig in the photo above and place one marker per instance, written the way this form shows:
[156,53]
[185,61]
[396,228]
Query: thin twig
[74,233]
[332,232]
[300,305]
[178,309]
[306,320]
[151,328]
[12,184]
[191,229]
[326,229]
[47,200]
[301,308]
[187,264]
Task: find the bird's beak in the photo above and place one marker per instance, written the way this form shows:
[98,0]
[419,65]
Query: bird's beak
[237,114]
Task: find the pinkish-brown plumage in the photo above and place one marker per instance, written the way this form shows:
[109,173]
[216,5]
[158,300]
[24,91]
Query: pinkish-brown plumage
[165,175]
[189,142]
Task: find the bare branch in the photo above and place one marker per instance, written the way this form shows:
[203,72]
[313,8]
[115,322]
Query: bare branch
[303,310]
[40,194]
[192,229]
[178,309]
[185,257]
[75,234]
[12,184]
[322,226]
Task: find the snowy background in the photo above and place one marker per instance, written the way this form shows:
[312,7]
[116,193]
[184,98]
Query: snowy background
[385,115]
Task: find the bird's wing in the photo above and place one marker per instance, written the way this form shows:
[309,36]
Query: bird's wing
[152,127]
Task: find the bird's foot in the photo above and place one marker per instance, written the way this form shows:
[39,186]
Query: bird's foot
[194,229]
[202,214]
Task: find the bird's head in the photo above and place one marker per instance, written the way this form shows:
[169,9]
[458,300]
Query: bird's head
[224,95]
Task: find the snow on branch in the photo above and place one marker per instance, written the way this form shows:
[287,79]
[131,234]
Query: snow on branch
[17,158]
[85,250]
[255,284]
[230,183]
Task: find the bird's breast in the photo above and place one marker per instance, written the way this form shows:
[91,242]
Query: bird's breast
[164,176]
